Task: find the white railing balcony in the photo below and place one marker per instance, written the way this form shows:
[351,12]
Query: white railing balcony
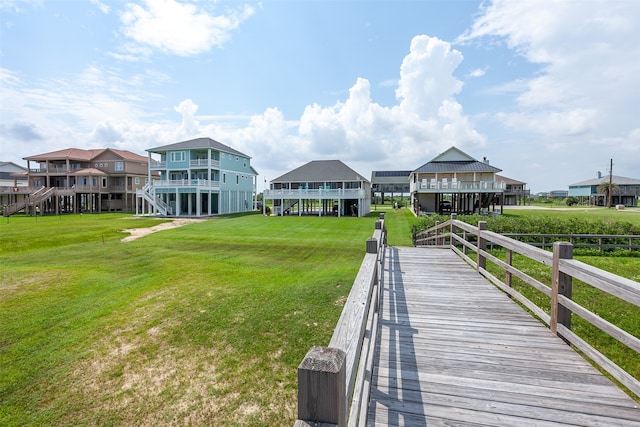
[204,163]
[303,193]
[431,185]
[158,165]
[187,183]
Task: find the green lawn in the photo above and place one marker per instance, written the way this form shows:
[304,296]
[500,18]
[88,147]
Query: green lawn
[201,325]
[204,324]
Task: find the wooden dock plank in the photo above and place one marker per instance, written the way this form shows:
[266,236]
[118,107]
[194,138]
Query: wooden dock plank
[454,350]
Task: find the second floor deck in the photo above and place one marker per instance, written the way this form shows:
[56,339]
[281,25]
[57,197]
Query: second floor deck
[319,193]
[455,186]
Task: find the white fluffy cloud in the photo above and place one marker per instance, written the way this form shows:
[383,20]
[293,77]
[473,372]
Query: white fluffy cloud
[178,28]
[426,120]
[588,57]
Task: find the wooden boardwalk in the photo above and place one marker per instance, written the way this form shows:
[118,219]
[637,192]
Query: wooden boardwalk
[453,350]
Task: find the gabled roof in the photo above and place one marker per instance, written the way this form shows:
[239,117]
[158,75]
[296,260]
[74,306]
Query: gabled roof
[321,171]
[509,181]
[620,180]
[11,167]
[455,160]
[453,154]
[84,155]
[198,143]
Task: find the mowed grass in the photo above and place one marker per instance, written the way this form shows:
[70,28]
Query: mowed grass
[200,325]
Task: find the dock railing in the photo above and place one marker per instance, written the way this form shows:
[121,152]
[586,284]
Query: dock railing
[334,381]
[462,237]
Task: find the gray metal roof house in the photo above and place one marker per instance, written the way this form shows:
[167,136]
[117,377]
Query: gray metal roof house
[454,181]
[628,190]
[320,187]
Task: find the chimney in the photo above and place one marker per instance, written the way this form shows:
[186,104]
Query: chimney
[599,174]
[485,160]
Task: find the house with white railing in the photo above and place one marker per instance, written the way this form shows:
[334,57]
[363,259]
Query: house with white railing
[199,177]
[320,187]
[456,182]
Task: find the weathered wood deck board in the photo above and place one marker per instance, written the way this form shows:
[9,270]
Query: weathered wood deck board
[454,350]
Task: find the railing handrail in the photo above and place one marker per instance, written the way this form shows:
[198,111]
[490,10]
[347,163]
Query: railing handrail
[564,269]
[312,192]
[161,183]
[344,367]
[429,235]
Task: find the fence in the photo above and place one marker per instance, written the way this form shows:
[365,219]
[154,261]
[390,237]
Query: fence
[334,381]
[460,237]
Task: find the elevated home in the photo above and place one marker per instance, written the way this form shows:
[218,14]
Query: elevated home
[455,182]
[320,187]
[515,192]
[13,184]
[77,180]
[199,177]
[628,191]
[389,182]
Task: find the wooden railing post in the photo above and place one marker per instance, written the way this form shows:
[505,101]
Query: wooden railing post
[437,240]
[482,245]
[509,261]
[322,386]
[372,245]
[561,283]
[452,230]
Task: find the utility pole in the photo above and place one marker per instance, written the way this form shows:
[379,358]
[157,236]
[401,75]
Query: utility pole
[610,183]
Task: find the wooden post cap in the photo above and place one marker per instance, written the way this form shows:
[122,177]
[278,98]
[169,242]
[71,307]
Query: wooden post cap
[323,359]
[322,386]
[372,245]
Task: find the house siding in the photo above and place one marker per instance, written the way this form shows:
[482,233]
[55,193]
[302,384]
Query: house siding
[201,177]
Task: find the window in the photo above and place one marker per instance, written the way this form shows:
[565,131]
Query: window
[224,178]
[237,179]
[244,163]
[177,156]
[137,180]
[119,167]
[104,182]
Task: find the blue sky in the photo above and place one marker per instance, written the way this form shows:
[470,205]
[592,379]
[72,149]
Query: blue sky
[547,91]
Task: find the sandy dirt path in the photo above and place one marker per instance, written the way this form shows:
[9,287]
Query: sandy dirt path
[136,233]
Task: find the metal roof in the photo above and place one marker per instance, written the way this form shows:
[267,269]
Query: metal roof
[198,143]
[321,171]
[620,180]
[510,181]
[458,167]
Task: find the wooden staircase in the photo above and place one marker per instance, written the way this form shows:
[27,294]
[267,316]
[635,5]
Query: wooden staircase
[148,193]
[31,201]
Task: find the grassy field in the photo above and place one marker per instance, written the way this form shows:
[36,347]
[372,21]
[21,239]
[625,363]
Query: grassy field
[200,325]
[203,325]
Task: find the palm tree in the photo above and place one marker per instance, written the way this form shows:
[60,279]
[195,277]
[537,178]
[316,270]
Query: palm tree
[608,188]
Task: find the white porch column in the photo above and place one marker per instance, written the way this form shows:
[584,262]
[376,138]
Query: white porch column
[198,203]
[178,207]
